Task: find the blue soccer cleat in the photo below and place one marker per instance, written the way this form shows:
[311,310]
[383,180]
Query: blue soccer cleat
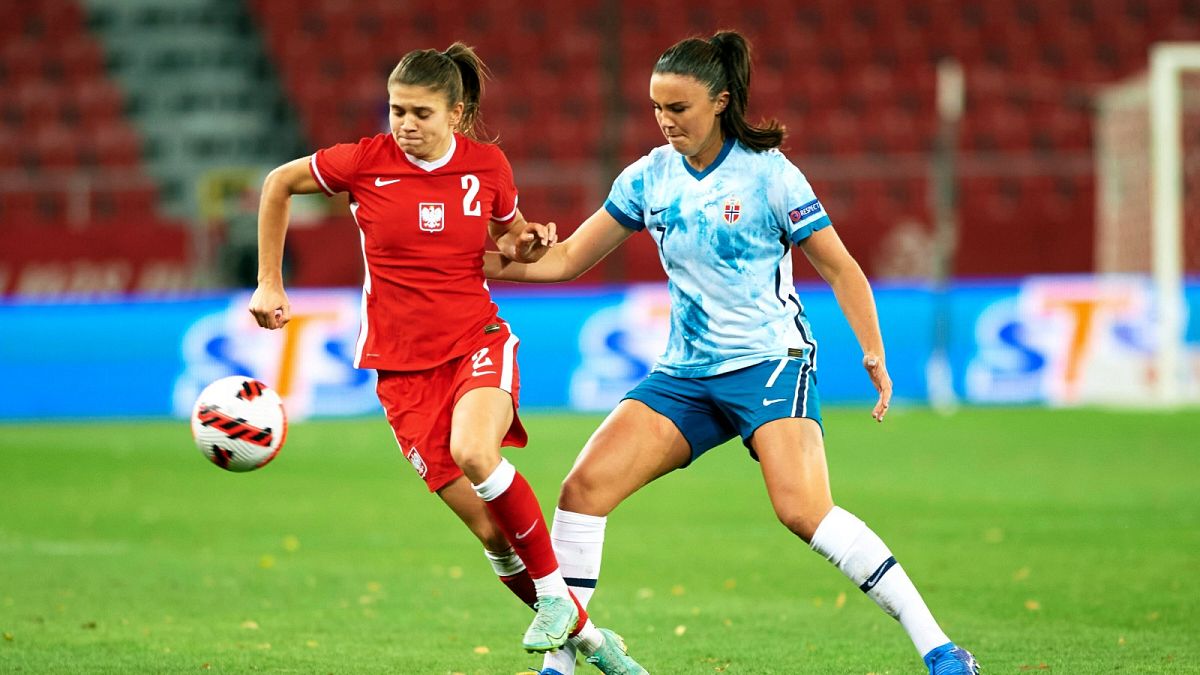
[550,628]
[547,671]
[950,659]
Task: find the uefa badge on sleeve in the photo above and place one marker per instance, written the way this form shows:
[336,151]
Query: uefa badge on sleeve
[732,211]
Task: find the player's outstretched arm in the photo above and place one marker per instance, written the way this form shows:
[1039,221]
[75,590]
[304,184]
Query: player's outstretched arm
[269,304]
[566,260]
[523,241]
[841,271]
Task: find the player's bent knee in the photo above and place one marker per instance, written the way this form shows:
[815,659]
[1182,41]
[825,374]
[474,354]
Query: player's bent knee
[477,462]
[803,524]
[579,495]
[573,493]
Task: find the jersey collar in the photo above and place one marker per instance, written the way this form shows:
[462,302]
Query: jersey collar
[434,164]
[699,175]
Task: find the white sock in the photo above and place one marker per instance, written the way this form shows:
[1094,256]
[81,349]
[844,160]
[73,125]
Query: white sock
[587,641]
[862,556]
[500,479]
[552,585]
[578,541]
[506,564]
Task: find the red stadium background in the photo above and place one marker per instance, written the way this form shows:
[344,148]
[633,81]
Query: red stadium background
[96,196]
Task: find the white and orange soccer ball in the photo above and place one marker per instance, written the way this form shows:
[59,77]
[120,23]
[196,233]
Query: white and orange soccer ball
[239,423]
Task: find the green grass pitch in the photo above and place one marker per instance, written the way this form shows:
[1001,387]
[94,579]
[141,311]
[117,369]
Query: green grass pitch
[1061,541]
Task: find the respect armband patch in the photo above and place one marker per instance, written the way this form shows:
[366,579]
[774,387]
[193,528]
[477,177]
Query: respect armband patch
[800,213]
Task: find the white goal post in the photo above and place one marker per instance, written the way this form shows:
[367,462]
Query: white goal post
[1141,165]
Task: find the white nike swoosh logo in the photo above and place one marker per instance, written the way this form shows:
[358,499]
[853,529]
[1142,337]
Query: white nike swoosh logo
[526,532]
[773,400]
[379,182]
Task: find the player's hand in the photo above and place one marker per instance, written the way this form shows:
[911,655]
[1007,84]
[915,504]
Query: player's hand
[877,371]
[270,307]
[533,241]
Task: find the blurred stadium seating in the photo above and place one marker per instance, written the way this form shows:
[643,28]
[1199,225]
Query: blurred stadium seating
[852,79]
[63,123]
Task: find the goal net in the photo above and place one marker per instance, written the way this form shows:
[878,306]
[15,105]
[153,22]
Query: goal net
[1147,146]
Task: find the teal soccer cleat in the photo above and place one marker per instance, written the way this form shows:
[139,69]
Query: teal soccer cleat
[613,658]
[550,628]
[950,659]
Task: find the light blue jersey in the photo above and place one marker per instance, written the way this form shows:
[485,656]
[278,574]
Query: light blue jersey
[724,236]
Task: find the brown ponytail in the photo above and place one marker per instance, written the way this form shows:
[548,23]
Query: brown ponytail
[722,63]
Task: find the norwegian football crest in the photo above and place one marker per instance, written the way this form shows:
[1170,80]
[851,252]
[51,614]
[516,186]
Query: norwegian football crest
[433,217]
[732,211]
[417,463]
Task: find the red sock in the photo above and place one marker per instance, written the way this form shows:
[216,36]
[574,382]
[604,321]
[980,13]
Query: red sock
[519,516]
[583,616]
[521,585]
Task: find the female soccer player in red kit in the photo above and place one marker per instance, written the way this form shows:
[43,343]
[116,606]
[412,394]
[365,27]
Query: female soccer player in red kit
[425,197]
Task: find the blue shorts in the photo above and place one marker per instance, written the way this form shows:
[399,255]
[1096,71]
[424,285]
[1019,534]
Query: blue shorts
[711,410]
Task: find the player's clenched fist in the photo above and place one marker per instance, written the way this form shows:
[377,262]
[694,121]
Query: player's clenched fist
[270,308]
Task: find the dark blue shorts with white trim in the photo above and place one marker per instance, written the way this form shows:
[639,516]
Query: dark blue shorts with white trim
[709,411]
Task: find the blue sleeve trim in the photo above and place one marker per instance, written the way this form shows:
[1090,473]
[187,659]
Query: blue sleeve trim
[801,233]
[614,211]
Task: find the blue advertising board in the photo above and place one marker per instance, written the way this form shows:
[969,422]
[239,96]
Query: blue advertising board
[1052,340]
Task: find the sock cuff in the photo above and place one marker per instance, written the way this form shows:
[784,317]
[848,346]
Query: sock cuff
[589,640]
[495,485]
[578,527]
[505,564]
[836,534]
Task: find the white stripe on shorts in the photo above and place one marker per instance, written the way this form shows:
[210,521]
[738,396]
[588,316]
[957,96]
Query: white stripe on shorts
[796,401]
[506,374]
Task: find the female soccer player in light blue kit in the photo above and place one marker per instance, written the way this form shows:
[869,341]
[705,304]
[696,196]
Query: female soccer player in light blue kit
[724,206]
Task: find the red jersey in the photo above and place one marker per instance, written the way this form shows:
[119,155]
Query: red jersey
[424,229]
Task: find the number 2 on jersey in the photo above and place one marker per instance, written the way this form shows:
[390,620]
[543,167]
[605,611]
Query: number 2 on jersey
[470,183]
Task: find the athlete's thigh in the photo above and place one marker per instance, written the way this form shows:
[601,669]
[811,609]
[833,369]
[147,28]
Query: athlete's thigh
[480,420]
[791,452]
[482,416]
[486,389]
[633,446]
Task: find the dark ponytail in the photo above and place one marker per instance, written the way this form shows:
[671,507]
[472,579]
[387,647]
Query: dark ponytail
[722,63]
[473,72]
[458,72]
